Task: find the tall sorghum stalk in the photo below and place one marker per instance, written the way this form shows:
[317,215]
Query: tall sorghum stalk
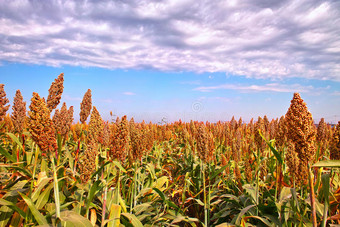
[41,126]
[63,120]
[55,92]
[205,149]
[120,141]
[19,112]
[96,127]
[87,162]
[301,132]
[3,102]
[334,148]
[137,147]
[85,106]
[321,136]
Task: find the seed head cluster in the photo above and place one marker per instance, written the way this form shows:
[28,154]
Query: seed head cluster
[3,102]
[87,162]
[63,120]
[85,106]
[19,112]
[335,144]
[55,92]
[301,132]
[96,127]
[40,124]
[205,144]
[120,140]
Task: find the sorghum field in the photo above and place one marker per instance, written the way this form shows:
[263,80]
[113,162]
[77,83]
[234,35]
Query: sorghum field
[280,172]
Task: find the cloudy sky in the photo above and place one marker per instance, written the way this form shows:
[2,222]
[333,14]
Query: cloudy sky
[188,59]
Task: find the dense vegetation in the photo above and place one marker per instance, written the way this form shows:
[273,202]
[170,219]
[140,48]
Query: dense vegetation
[282,172]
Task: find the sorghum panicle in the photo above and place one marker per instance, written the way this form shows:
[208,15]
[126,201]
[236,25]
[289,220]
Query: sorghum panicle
[120,140]
[334,148]
[280,135]
[62,120]
[301,131]
[96,127]
[85,106]
[205,144]
[3,102]
[87,162]
[40,124]
[19,112]
[55,92]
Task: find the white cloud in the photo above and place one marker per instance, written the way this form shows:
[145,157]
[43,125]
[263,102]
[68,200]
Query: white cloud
[272,87]
[336,93]
[259,39]
[128,93]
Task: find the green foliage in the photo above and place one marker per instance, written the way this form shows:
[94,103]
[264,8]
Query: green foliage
[163,189]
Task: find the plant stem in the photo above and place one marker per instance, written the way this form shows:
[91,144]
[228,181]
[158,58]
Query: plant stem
[312,196]
[257,181]
[104,206]
[204,199]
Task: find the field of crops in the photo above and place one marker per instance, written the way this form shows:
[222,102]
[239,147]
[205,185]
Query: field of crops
[280,172]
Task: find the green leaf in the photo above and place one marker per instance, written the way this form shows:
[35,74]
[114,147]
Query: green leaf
[20,169]
[43,198]
[41,185]
[218,172]
[122,204]
[141,208]
[325,188]
[100,169]
[15,139]
[133,219]
[6,154]
[64,206]
[56,189]
[265,221]
[285,194]
[160,182]
[119,166]
[93,191]
[251,191]
[13,191]
[13,206]
[76,219]
[37,215]
[275,152]
[328,163]
[6,214]
[243,211]
[161,194]
[115,211]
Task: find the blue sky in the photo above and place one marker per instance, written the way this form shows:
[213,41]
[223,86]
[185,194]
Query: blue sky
[200,60]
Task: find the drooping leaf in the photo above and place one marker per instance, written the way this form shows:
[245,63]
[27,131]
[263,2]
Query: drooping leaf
[243,212]
[15,139]
[272,148]
[325,188]
[115,212]
[6,154]
[328,163]
[37,215]
[132,219]
[74,218]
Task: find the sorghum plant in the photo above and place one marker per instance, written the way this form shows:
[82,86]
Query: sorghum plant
[55,92]
[3,102]
[85,106]
[19,112]
[40,124]
[301,132]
